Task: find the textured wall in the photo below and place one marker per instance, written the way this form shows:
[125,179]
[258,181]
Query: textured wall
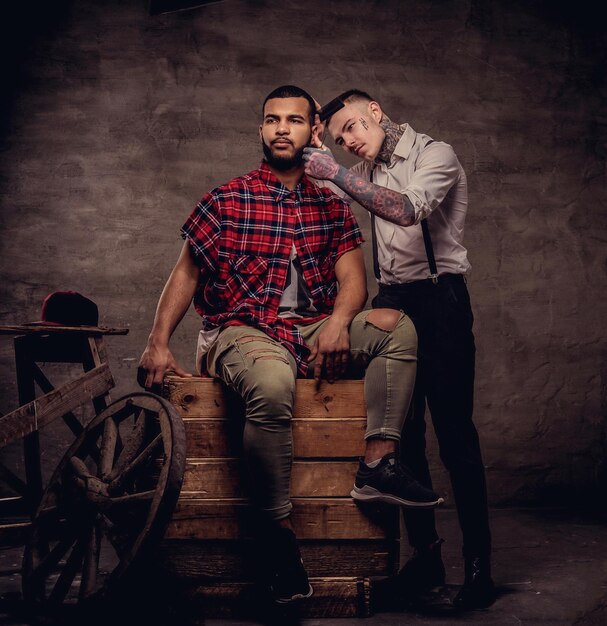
[117,122]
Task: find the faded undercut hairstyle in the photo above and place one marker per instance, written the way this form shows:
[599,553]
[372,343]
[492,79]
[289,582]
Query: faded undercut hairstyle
[291,91]
[355,95]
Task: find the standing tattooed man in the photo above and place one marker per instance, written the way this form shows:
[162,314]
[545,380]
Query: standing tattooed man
[263,257]
[404,178]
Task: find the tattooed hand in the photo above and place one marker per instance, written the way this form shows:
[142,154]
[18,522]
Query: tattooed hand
[320,163]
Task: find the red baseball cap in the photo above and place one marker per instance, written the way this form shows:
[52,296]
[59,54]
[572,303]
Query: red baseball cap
[68,308]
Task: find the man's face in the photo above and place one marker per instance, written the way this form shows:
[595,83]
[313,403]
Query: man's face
[356,129]
[285,131]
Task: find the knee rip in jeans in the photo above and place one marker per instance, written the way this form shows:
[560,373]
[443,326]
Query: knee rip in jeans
[384,319]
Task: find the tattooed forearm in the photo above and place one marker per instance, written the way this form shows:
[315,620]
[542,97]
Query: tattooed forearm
[385,203]
[393,134]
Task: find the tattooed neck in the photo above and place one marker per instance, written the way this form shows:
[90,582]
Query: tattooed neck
[393,133]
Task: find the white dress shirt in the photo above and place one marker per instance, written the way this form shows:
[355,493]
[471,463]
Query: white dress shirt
[435,183]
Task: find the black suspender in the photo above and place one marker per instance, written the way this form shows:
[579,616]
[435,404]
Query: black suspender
[429,251]
[427,244]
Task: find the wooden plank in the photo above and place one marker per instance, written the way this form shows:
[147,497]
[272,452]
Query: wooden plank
[14,534]
[240,559]
[342,437]
[204,397]
[226,478]
[333,597]
[195,397]
[44,409]
[344,398]
[42,329]
[313,518]
[312,438]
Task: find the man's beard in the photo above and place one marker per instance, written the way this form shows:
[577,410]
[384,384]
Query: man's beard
[280,163]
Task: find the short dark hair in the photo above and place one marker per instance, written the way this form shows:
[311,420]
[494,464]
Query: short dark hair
[291,91]
[355,95]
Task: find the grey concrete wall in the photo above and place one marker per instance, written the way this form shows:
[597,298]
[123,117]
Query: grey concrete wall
[119,121]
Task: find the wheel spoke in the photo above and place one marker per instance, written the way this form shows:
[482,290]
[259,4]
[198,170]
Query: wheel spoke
[132,446]
[52,558]
[110,530]
[79,467]
[108,447]
[64,582]
[91,563]
[132,498]
[143,456]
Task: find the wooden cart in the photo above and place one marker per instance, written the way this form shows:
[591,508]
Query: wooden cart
[117,488]
[111,496]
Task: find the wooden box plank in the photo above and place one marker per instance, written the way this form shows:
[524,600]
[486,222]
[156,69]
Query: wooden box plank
[313,518]
[333,597]
[205,397]
[226,478]
[330,437]
[312,437]
[239,559]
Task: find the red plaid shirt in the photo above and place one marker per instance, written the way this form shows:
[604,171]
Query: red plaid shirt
[242,234]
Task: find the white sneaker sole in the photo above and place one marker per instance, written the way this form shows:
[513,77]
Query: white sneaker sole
[295,598]
[370,494]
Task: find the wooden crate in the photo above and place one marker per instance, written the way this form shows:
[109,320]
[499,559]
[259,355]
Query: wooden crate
[209,537]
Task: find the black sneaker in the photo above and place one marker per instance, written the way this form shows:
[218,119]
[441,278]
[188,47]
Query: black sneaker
[289,578]
[392,483]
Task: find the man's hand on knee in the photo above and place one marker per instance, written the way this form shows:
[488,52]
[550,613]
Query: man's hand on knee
[331,350]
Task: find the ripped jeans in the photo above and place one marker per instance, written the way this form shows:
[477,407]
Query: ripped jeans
[263,373]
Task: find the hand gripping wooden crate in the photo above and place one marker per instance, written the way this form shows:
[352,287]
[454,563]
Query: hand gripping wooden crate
[208,541]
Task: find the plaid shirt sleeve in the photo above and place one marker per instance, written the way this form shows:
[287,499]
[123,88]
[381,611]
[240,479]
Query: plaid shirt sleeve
[202,230]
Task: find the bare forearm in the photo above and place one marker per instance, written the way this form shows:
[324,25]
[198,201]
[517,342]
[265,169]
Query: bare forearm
[349,301]
[175,299]
[352,294]
[385,203]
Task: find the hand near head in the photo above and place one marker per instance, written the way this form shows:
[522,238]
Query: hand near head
[318,130]
[155,362]
[320,163]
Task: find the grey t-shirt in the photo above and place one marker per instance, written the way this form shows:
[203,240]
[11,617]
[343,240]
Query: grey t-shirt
[296,300]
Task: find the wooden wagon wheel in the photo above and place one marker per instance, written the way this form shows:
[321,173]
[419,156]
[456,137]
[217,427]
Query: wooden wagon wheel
[107,503]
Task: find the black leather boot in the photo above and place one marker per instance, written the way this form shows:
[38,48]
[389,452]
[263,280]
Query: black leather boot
[478,590]
[412,587]
[423,571]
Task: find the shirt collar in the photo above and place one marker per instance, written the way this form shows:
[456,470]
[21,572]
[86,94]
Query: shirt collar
[405,143]
[277,189]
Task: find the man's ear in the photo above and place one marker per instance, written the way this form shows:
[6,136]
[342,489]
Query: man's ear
[260,134]
[317,135]
[375,111]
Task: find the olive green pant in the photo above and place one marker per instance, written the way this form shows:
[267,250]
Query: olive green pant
[263,373]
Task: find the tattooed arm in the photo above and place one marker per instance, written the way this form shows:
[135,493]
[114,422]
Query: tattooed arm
[385,203]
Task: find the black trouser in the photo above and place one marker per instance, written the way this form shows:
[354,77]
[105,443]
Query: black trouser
[445,379]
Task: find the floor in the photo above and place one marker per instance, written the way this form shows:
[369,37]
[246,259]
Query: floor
[550,567]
